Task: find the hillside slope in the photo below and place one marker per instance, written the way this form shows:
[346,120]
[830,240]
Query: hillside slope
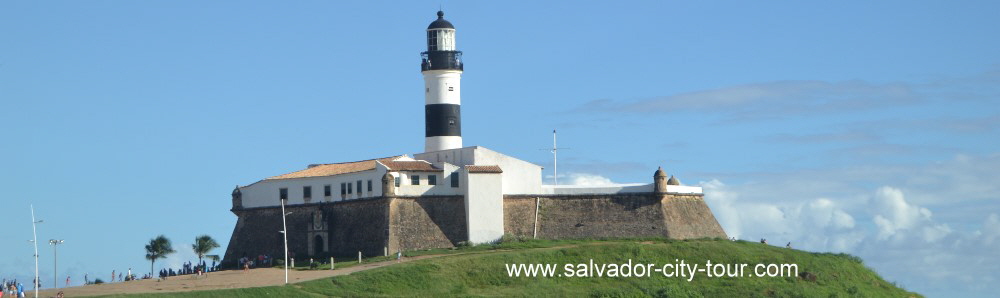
[483,273]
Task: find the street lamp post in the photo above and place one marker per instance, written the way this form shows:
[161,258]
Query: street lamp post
[34,236]
[55,265]
[284,233]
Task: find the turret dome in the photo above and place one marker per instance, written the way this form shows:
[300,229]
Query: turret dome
[440,23]
[673,181]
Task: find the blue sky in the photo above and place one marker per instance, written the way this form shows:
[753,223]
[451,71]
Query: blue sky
[855,126]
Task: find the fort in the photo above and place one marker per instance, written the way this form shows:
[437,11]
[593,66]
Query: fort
[448,195]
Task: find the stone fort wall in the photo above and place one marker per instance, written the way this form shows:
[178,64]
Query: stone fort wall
[374,226]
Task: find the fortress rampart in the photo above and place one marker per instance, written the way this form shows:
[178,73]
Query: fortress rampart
[383,225]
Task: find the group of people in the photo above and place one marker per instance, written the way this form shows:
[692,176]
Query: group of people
[189,268]
[126,277]
[248,263]
[12,288]
[764,241]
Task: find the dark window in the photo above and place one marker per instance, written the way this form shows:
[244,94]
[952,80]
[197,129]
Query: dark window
[432,40]
[350,188]
[454,179]
[369,186]
[307,192]
[397,181]
[414,180]
[283,193]
[326,190]
[359,187]
[343,189]
[432,179]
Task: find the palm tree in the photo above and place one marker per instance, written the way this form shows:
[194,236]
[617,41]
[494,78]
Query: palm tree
[157,248]
[202,245]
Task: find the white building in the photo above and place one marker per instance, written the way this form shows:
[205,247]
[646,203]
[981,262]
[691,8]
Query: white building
[480,175]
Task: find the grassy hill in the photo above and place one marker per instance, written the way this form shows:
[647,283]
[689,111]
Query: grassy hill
[481,271]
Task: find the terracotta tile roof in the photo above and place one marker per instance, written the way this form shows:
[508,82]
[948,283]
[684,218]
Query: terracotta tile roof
[414,165]
[483,169]
[331,169]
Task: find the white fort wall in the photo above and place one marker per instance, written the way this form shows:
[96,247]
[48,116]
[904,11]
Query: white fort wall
[266,193]
[616,189]
[519,177]
[484,206]
[443,187]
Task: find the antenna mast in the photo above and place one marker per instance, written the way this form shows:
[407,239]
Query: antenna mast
[555,158]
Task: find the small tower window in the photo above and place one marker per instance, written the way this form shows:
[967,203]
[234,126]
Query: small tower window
[307,192]
[427,90]
[283,193]
[454,180]
[414,179]
[432,179]
[432,37]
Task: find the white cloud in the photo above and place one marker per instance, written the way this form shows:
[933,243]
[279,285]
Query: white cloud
[817,224]
[903,241]
[769,99]
[990,232]
[584,179]
[176,260]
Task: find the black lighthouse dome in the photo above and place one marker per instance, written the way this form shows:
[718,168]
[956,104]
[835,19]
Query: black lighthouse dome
[440,23]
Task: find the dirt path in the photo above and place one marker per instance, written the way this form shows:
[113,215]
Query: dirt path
[231,279]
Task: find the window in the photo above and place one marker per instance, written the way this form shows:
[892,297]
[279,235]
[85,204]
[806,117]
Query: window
[369,186]
[359,187]
[397,181]
[283,193]
[432,179]
[350,188]
[454,179]
[326,190]
[414,180]
[307,192]
[343,189]
[432,37]
[428,90]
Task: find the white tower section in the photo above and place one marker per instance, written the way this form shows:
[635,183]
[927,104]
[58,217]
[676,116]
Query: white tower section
[442,68]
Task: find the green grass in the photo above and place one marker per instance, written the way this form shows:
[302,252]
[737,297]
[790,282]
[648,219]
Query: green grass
[480,271]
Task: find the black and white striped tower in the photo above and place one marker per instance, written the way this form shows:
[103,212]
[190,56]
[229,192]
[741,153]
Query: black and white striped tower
[441,65]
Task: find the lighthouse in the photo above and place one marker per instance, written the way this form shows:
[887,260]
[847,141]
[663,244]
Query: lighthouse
[441,66]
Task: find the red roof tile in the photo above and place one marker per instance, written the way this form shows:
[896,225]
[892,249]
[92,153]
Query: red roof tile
[331,169]
[483,169]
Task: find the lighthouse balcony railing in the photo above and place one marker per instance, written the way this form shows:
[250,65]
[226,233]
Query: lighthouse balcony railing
[437,60]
